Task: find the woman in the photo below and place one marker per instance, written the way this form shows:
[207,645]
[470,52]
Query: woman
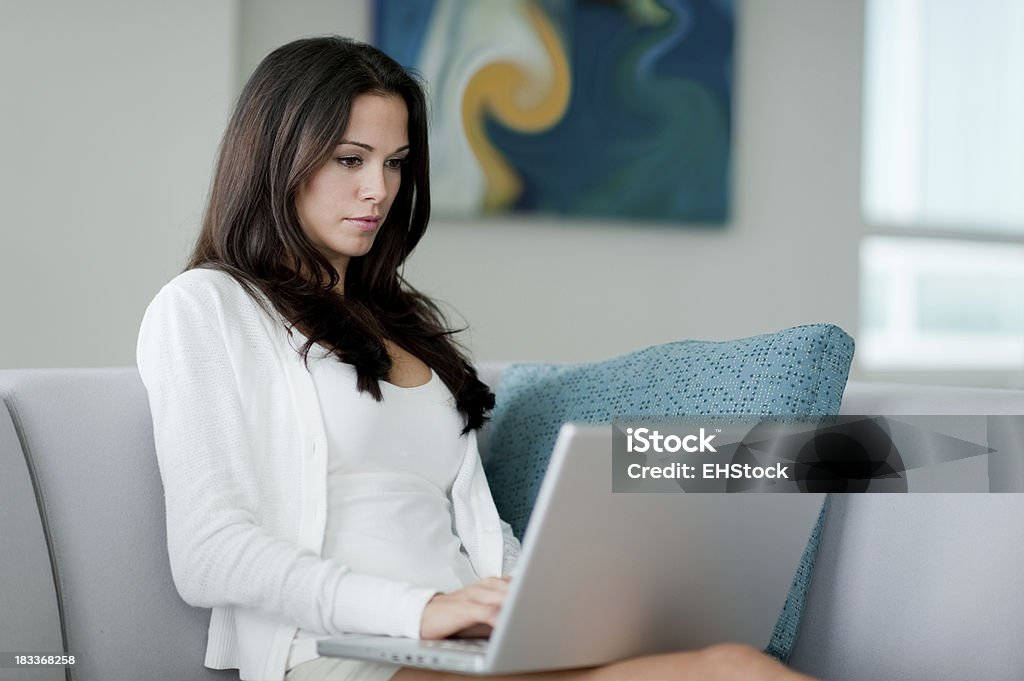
[315,422]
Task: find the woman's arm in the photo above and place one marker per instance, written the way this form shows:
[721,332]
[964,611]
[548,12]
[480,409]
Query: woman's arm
[219,553]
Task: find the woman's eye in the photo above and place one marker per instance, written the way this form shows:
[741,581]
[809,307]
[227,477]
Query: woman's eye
[349,161]
[394,163]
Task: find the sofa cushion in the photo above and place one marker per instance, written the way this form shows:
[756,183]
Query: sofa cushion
[800,371]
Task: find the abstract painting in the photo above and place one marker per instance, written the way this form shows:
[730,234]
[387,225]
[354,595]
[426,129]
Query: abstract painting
[592,108]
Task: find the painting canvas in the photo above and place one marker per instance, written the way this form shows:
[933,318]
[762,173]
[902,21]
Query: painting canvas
[595,108]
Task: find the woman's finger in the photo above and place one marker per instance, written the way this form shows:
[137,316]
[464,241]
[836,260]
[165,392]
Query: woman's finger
[475,631]
[499,584]
[447,614]
[486,613]
[487,596]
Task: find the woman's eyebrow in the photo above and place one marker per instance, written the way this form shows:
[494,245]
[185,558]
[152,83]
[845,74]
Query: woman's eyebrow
[369,148]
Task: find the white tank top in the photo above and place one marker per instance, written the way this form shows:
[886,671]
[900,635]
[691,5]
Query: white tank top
[390,467]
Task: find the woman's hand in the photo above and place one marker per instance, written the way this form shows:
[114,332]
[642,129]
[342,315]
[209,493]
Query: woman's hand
[469,612]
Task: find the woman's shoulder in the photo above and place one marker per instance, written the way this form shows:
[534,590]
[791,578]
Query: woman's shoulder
[204,307]
[207,289]
[203,281]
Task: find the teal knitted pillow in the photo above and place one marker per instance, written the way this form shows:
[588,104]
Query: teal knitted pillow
[795,372]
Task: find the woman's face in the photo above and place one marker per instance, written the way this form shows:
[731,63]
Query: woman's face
[343,204]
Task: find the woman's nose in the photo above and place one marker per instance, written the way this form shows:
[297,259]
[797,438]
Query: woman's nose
[373,186]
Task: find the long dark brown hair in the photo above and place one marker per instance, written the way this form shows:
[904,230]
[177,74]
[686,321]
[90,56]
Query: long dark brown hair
[291,114]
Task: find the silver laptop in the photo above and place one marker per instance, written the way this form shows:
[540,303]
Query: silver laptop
[606,576]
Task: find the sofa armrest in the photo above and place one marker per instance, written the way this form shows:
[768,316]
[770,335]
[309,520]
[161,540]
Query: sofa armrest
[29,616]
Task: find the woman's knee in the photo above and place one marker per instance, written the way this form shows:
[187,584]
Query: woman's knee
[725,661]
[736,660]
[734,654]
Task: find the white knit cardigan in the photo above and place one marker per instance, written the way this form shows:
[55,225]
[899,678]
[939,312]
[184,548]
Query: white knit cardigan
[243,457]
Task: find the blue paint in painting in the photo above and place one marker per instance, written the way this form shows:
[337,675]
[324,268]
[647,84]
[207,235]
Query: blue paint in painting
[401,27]
[647,132]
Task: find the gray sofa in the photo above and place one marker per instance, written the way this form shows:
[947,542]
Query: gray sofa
[919,586]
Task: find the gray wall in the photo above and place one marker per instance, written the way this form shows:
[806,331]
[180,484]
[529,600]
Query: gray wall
[111,115]
[106,164]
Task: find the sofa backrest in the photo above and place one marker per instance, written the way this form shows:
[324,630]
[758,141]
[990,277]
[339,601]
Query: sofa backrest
[921,587]
[86,436]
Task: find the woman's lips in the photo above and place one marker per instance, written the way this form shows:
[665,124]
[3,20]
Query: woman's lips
[367,224]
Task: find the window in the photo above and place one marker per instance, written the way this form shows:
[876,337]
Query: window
[942,275]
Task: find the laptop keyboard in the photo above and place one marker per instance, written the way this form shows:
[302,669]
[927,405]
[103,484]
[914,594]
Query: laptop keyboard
[467,644]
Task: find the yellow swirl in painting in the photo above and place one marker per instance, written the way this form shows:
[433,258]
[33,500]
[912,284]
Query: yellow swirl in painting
[504,89]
